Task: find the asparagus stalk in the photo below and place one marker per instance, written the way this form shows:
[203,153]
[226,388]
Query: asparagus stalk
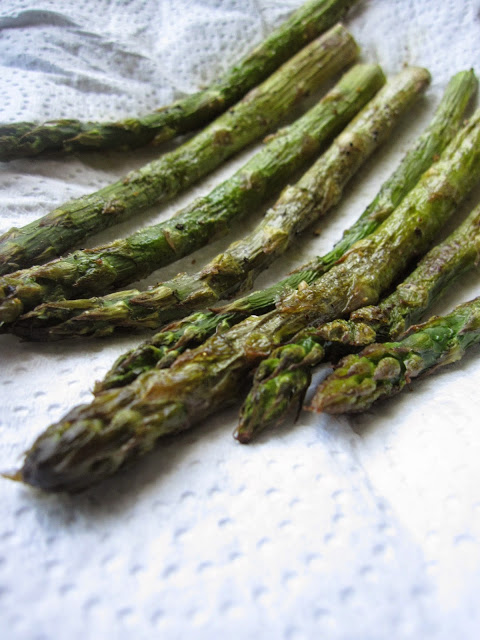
[121,261]
[281,381]
[120,425]
[299,205]
[23,139]
[384,369]
[441,267]
[259,112]
[164,346]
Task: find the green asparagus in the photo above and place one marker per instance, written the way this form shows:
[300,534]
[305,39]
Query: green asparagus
[384,369]
[442,266]
[282,380]
[309,21]
[120,425]
[163,347]
[117,263]
[259,112]
[121,261]
[299,205]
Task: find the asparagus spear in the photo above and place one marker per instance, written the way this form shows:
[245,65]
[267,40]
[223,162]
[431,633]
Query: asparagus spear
[119,425]
[316,192]
[164,346]
[259,112]
[282,380]
[442,266]
[384,369]
[309,21]
[121,261]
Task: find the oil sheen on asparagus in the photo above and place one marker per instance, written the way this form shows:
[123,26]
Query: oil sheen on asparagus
[162,348]
[282,380]
[119,425]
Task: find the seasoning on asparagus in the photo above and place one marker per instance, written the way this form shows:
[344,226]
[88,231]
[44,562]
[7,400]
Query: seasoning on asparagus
[282,380]
[163,347]
[299,205]
[442,266]
[384,369]
[23,139]
[95,440]
[97,270]
[258,113]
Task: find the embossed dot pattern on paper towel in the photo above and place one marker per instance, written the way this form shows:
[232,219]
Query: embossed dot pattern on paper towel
[363,528]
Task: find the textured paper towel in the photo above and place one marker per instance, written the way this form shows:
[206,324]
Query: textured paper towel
[358,529]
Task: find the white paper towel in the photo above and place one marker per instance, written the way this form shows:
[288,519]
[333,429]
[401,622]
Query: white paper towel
[359,528]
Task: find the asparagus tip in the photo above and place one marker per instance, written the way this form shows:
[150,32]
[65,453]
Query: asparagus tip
[16,476]
[243,436]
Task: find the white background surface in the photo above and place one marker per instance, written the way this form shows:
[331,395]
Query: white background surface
[359,529]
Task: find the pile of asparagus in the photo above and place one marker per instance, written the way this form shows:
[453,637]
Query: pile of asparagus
[270,339]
